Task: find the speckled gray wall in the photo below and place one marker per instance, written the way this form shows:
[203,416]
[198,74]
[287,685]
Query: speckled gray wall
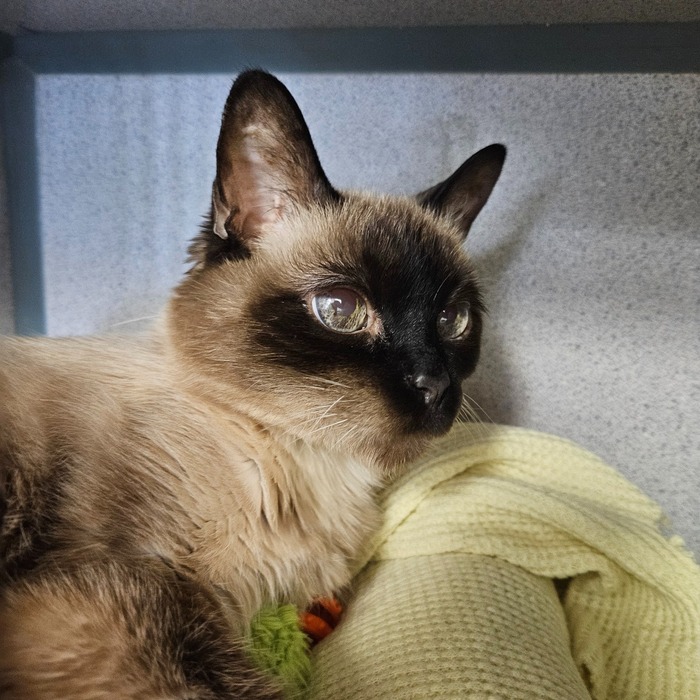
[78,15]
[589,248]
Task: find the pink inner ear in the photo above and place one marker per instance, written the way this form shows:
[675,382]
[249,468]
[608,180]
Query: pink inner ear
[260,195]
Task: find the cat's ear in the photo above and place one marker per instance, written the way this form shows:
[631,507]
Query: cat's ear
[265,160]
[462,195]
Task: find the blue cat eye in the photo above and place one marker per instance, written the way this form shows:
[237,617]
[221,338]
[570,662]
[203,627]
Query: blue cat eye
[340,309]
[453,321]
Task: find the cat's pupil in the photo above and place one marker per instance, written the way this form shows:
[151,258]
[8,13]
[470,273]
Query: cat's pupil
[344,302]
[341,310]
[448,316]
[453,321]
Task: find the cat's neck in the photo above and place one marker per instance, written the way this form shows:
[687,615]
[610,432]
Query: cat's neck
[299,514]
[289,477]
[269,507]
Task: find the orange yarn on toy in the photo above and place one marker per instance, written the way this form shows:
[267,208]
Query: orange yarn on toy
[320,618]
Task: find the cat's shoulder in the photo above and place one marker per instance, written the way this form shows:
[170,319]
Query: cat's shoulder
[96,356]
[53,379]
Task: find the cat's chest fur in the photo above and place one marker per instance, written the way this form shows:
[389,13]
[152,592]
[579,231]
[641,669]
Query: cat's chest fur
[278,519]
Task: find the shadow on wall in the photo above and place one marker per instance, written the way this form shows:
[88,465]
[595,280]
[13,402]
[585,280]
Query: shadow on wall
[7,323]
[496,388]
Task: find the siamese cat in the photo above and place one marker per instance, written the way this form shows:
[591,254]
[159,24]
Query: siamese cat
[155,491]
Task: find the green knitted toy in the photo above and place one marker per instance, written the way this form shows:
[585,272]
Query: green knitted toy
[278,646]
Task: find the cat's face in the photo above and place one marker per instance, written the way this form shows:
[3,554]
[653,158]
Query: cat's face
[348,320]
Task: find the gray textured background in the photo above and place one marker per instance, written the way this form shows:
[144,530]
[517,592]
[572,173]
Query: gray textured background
[88,15]
[589,248]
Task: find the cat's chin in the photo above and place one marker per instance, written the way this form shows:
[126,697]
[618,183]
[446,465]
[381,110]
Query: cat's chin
[396,456]
[390,450]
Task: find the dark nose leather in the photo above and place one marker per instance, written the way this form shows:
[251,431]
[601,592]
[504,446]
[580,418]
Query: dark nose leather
[431,386]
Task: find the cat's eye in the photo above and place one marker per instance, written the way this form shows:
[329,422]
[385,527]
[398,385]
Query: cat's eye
[453,321]
[340,309]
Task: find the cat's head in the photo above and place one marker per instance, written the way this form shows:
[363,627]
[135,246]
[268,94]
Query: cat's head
[348,320]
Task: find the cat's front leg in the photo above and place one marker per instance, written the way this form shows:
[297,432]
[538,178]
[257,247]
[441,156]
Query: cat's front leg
[120,629]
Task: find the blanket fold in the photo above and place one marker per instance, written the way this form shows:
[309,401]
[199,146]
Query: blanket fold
[456,599]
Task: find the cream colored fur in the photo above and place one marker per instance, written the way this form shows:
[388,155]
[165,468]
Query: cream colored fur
[255,511]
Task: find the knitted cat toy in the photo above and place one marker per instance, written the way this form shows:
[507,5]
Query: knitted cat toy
[281,637]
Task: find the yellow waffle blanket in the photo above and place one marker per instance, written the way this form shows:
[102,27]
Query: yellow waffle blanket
[515,565]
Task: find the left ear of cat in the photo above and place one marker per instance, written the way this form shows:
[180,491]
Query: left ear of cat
[463,195]
[266,160]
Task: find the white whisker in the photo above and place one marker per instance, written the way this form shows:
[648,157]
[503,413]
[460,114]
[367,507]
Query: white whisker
[132,320]
[329,381]
[442,284]
[331,425]
[472,400]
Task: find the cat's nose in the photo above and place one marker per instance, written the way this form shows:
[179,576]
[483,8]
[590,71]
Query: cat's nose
[431,386]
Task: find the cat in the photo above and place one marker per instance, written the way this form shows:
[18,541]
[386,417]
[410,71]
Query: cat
[156,490]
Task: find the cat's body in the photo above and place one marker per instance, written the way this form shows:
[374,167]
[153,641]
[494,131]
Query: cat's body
[156,470]
[155,491]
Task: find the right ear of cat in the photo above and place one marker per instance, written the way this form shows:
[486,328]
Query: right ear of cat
[266,160]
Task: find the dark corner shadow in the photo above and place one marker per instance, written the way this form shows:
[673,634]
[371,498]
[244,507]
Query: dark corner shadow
[494,389]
